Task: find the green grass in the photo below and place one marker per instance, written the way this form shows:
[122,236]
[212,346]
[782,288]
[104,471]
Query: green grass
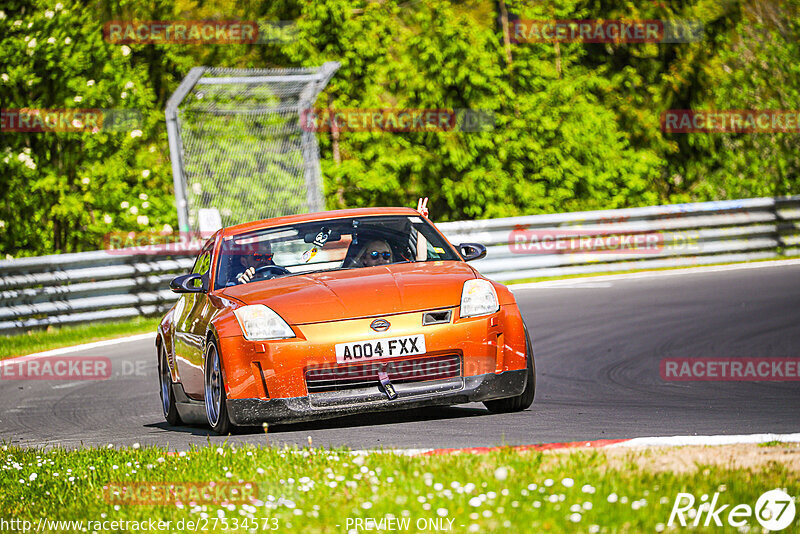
[318,490]
[629,271]
[37,341]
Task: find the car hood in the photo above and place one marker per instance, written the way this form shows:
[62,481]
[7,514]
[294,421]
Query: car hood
[362,292]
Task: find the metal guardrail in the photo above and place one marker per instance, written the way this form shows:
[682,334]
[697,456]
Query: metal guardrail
[684,234]
[99,285]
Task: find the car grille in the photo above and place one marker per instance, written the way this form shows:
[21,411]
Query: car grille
[344,377]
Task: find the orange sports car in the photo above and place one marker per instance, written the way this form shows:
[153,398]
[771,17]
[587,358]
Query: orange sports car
[328,314]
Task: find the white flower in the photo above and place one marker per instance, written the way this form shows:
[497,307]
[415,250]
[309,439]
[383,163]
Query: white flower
[85,181]
[90,83]
[168,229]
[4,77]
[32,477]
[123,95]
[2,15]
[107,219]
[568,482]
[32,43]
[145,204]
[134,210]
[78,99]
[136,133]
[136,445]
[124,204]
[475,501]
[68,40]
[220,450]
[59,6]
[49,14]
[613,497]
[575,518]
[17,23]
[366,505]
[594,529]
[125,50]
[3,225]
[129,85]
[441,512]
[501,473]
[548,482]
[51,40]
[145,174]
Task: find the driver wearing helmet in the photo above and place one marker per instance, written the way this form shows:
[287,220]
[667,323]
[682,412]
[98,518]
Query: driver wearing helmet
[261,257]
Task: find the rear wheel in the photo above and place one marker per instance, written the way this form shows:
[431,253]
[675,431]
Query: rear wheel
[523,400]
[216,410]
[167,396]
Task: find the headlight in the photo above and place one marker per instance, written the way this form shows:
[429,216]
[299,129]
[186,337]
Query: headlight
[260,323]
[478,298]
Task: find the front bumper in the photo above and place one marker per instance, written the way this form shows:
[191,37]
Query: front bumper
[413,395]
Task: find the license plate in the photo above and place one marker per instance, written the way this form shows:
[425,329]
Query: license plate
[376,349]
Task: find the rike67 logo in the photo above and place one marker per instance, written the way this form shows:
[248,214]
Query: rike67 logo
[774,509]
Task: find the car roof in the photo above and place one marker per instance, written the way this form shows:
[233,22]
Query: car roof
[310,217]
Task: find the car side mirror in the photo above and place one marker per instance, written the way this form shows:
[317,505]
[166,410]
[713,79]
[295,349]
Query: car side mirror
[188,283]
[472,251]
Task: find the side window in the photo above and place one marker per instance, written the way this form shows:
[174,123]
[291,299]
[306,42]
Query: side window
[202,265]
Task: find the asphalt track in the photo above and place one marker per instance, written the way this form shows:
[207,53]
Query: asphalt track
[598,345]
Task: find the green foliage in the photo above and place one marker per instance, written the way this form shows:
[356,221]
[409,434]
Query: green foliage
[577,126]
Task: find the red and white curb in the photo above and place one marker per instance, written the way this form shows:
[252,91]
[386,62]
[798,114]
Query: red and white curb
[662,441]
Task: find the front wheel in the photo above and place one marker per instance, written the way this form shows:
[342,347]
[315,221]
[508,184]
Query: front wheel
[167,396]
[216,410]
[523,400]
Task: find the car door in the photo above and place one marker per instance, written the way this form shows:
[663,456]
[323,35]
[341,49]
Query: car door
[192,313]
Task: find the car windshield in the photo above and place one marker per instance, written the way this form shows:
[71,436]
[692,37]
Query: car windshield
[335,244]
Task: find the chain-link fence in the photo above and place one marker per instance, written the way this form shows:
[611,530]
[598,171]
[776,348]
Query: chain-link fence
[238,150]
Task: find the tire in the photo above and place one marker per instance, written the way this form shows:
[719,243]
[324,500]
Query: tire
[524,400]
[214,389]
[167,396]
